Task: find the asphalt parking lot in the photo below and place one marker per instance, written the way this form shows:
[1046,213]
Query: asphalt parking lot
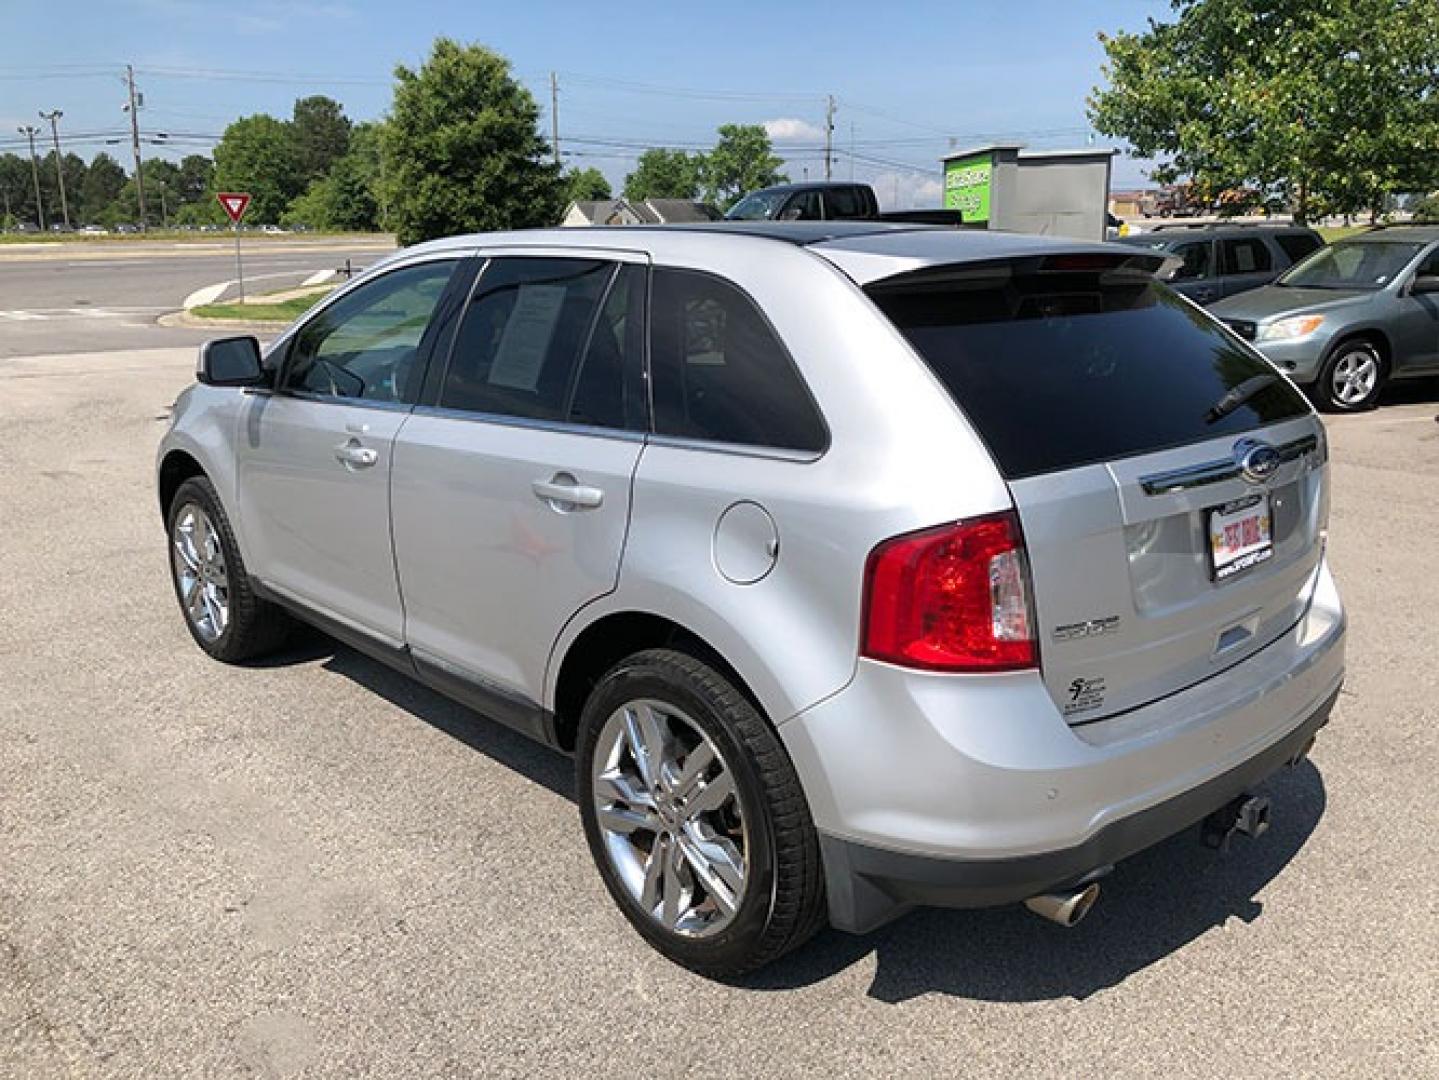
[313,867]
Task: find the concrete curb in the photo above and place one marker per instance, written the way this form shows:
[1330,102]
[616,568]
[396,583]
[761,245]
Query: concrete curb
[195,322]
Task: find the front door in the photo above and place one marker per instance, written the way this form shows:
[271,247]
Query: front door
[314,459]
[1415,328]
[511,485]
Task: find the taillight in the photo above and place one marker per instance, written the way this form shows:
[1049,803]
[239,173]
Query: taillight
[955,598]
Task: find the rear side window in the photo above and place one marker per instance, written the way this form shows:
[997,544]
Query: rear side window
[1059,370]
[719,372]
[843,203]
[547,339]
[1298,245]
[1245,255]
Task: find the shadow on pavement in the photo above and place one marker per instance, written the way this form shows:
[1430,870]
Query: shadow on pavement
[1151,906]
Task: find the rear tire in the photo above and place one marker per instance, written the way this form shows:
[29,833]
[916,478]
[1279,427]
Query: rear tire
[220,607]
[1352,378]
[682,782]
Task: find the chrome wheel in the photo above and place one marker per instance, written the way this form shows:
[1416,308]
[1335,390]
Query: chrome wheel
[1354,377]
[670,817]
[199,563]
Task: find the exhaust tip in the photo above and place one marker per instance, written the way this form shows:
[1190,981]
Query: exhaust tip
[1065,908]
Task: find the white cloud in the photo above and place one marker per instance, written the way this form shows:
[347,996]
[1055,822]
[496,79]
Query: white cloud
[907,190]
[790,129]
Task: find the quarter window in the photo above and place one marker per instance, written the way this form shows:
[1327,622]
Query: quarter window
[719,372]
[547,339]
[1245,255]
[367,344]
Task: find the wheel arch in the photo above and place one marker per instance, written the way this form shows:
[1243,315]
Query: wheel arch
[1372,334]
[608,639]
[176,467]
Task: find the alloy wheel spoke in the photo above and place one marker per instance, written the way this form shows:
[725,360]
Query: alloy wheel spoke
[673,886]
[717,870]
[646,742]
[186,553]
[629,819]
[654,872]
[711,797]
[698,760]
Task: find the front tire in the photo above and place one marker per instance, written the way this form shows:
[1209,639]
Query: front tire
[1351,378]
[695,816]
[221,610]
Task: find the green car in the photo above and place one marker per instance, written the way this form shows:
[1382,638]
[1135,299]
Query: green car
[1350,317]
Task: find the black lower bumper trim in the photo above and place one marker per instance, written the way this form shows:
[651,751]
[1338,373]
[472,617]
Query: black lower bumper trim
[868,886]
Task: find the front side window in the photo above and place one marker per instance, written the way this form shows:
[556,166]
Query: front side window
[1245,255]
[547,339]
[1352,264]
[367,344]
[720,373]
[1196,262]
[757,206]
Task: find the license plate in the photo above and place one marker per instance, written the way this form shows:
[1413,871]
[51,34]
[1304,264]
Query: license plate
[1239,536]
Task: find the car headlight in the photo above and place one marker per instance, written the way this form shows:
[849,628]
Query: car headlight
[1297,326]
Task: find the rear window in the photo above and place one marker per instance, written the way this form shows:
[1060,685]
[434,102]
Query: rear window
[1059,370]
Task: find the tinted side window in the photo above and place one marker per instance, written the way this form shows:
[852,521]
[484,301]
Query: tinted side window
[720,373]
[1298,245]
[367,344]
[1245,255]
[803,207]
[546,339]
[843,203]
[1196,261]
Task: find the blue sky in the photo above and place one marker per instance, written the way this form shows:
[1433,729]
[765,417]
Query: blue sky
[909,77]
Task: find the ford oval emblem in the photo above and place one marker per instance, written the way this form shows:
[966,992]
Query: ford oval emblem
[1257,461]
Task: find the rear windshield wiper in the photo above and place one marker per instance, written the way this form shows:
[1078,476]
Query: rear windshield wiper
[1238,395]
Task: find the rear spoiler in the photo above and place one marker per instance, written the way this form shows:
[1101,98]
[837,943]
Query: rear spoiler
[1111,267]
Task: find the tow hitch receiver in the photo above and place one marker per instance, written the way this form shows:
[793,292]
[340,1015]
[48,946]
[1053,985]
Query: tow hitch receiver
[1247,815]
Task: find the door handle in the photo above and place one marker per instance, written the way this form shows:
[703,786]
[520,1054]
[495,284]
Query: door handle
[564,491]
[353,456]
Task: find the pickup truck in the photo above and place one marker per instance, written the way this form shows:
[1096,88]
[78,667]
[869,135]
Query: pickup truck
[829,201]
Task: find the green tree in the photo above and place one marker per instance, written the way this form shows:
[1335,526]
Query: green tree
[665,174]
[195,179]
[320,135]
[741,161]
[1328,104]
[255,155]
[104,180]
[586,185]
[16,190]
[342,201]
[73,168]
[462,151]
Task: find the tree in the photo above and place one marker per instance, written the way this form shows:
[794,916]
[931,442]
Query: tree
[586,185]
[664,174]
[73,167]
[16,191]
[255,155]
[342,201]
[104,180]
[320,135]
[741,161]
[193,184]
[462,150]
[1329,104]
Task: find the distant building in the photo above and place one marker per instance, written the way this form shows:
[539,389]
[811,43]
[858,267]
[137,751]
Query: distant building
[638,212]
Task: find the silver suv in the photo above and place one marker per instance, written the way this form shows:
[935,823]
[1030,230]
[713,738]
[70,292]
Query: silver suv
[858,566]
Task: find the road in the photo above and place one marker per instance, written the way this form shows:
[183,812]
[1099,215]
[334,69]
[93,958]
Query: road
[78,297]
[314,867]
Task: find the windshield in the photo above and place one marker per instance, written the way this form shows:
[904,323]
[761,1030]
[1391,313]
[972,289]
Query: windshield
[1352,264]
[759,206]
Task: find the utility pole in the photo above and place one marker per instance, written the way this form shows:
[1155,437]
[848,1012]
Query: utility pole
[133,108]
[30,131]
[164,212]
[54,118]
[555,115]
[828,136]
[851,149]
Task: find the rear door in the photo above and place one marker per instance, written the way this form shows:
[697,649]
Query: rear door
[1118,414]
[1197,275]
[511,482]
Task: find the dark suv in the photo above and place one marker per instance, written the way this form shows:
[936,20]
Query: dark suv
[1222,260]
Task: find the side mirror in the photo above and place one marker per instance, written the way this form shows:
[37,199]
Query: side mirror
[231,361]
[1425,283]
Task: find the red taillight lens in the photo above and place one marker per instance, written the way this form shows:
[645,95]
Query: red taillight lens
[954,598]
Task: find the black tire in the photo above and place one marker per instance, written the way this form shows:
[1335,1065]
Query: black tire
[783,901]
[1327,387]
[255,626]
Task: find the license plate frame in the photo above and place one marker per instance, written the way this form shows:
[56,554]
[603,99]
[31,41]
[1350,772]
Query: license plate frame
[1239,536]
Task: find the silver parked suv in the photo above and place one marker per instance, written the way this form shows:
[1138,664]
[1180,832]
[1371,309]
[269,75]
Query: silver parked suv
[858,566]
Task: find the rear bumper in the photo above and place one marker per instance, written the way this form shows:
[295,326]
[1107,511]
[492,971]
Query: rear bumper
[972,790]
[868,886]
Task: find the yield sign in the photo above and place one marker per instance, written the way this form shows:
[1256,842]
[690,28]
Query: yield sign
[234,203]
